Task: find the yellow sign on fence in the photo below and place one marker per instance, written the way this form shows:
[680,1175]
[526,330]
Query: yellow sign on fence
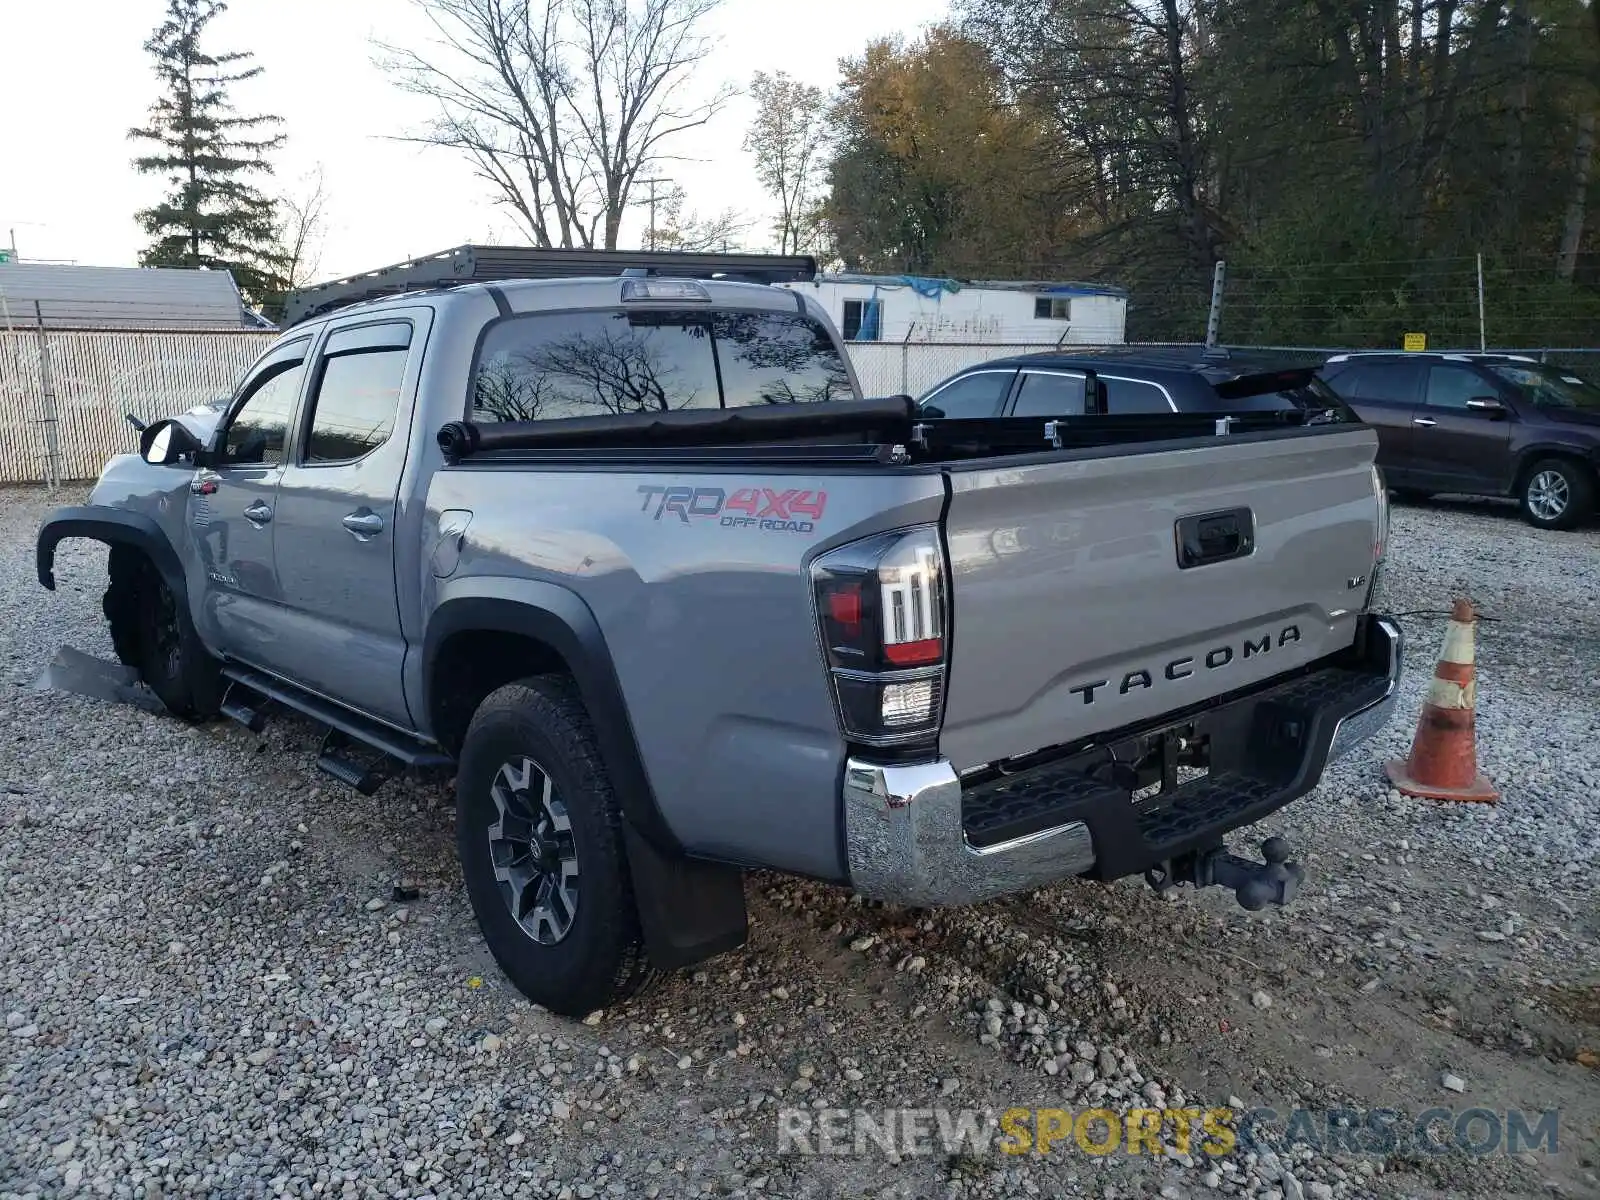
[1416,341]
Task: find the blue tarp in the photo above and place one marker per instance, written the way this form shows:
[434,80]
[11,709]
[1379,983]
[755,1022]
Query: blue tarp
[924,286]
[1079,289]
[871,319]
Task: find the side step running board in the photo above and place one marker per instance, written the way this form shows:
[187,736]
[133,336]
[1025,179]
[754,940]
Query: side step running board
[245,701]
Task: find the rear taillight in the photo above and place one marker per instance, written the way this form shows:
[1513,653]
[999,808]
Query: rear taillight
[1380,486]
[1380,542]
[883,615]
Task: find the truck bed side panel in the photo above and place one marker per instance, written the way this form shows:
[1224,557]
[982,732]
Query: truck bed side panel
[1072,616]
[709,625]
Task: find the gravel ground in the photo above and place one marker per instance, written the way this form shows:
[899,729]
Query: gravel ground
[223,974]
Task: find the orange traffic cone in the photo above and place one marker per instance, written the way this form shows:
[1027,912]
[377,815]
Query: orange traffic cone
[1444,753]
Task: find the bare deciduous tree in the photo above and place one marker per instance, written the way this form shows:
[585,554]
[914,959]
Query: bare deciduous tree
[685,229]
[560,106]
[786,139]
[302,225]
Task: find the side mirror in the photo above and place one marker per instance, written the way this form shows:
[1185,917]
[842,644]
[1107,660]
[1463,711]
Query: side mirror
[167,442]
[1487,405]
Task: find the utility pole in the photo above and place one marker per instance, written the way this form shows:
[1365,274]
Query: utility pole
[1214,319]
[652,202]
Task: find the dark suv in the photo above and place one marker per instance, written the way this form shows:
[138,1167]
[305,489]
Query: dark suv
[1479,424]
[1134,381]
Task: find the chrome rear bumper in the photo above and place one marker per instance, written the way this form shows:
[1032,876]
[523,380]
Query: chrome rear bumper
[907,840]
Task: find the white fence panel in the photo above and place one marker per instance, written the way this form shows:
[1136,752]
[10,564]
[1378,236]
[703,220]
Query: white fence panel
[99,376]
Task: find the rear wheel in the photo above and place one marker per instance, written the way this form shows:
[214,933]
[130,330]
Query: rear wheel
[539,833]
[1556,494]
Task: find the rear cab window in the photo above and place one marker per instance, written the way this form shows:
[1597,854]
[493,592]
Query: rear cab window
[609,362]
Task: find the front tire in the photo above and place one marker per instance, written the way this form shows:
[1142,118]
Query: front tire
[149,634]
[1556,494]
[539,833]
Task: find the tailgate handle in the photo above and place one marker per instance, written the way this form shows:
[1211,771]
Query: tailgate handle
[1215,537]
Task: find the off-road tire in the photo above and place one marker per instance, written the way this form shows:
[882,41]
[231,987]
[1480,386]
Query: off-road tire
[600,959]
[149,634]
[1549,476]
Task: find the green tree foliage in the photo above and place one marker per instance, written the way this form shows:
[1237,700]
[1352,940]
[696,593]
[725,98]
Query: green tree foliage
[213,217]
[933,167]
[1349,159]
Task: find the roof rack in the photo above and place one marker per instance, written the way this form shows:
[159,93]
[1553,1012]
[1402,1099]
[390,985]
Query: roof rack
[484,264]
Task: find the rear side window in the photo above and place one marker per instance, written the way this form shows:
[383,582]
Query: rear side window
[605,362]
[1394,383]
[1046,394]
[977,395]
[1131,396]
[358,394]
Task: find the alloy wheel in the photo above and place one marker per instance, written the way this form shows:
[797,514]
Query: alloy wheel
[532,848]
[1548,495]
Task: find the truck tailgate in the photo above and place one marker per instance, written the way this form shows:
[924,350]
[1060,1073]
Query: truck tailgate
[1072,615]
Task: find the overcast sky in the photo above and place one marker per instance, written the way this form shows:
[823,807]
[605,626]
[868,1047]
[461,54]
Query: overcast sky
[76,78]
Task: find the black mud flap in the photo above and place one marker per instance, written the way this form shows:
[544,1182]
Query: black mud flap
[689,910]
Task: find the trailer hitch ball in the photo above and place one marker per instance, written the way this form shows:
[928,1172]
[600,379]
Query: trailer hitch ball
[1274,882]
[1254,884]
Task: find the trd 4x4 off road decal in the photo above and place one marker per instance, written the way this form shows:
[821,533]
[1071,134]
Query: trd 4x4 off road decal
[780,510]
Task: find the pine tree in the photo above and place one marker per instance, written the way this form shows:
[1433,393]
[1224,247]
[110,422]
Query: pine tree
[213,217]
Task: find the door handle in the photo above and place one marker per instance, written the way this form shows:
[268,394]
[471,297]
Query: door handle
[258,513]
[363,524]
[1426,422]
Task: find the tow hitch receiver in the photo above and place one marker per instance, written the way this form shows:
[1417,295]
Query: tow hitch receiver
[1255,885]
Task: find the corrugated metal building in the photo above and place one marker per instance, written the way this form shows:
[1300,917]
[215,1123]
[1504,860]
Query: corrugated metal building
[121,298]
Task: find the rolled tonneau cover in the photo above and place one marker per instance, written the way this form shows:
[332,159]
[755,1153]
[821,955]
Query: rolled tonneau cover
[887,418]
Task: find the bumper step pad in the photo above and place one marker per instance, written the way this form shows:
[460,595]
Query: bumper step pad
[1265,750]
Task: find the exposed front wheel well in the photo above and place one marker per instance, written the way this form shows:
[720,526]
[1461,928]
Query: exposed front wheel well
[128,567]
[150,632]
[474,663]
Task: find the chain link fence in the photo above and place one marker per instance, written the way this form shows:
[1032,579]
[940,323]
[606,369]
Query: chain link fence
[63,394]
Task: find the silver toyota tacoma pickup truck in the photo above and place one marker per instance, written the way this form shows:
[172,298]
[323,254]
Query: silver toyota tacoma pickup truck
[630,555]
